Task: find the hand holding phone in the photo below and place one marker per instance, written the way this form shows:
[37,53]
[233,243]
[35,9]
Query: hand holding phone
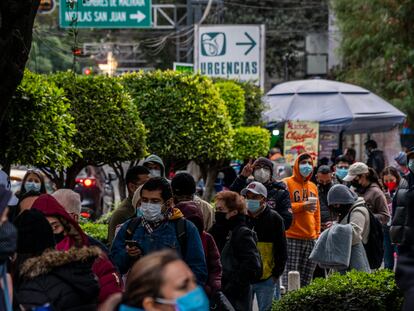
[132,248]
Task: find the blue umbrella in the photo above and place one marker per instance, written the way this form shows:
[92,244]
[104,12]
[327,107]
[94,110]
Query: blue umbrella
[337,106]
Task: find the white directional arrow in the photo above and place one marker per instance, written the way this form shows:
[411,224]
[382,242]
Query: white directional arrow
[139,16]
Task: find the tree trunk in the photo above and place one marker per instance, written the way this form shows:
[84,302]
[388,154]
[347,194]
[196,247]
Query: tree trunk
[71,174]
[120,173]
[16,24]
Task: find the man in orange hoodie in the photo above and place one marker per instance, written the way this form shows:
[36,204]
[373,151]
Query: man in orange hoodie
[306,224]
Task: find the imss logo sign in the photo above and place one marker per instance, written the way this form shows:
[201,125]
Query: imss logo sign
[230,51]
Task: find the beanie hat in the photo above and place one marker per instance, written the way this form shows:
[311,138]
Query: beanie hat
[183,184]
[34,234]
[341,194]
[264,162]
[401,158]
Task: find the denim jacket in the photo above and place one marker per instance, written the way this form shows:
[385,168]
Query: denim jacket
[161,238]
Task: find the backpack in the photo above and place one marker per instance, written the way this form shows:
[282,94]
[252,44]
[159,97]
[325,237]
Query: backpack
[180,231]
[375,245]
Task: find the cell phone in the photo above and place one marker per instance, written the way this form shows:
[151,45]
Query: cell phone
[132,243]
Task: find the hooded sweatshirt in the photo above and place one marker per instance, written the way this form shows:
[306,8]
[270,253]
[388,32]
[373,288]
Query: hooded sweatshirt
[109,280]
[155,159]
[306,225]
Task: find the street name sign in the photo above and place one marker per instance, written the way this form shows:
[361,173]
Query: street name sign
[231,51]
[183,67]
[105,14]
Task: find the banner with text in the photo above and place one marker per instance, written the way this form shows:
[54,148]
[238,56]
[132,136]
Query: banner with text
[301,136]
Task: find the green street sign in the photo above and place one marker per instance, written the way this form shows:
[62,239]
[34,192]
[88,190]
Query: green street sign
[105,14]
[183,67]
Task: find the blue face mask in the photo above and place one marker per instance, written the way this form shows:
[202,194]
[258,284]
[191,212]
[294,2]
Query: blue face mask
[196,300]
[341,173]
[253,205]
[305,169]
[32,186]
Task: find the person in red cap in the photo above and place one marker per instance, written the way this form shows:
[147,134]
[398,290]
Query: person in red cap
[68,234]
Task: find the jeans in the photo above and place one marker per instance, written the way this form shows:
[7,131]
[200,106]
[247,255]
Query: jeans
[278,294]
[389,249]
[264,292]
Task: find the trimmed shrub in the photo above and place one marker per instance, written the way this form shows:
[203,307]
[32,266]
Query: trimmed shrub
[233,96]
[97,231]
[184,115]
[254,105]
[250,142]
[352,291]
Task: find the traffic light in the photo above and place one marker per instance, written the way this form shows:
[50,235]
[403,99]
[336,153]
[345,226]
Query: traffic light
[87,71]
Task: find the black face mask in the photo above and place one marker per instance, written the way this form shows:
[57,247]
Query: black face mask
[8,240]
[325,187]
[221,218]
[340,211]
[59,237]
[356,185]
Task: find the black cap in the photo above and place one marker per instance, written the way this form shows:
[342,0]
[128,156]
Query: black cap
[324,169]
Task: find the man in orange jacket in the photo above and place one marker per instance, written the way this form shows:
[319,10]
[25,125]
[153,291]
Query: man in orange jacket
[306,224]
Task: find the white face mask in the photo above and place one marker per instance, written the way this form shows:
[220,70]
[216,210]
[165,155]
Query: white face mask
[155,173]
[261,175]
[151,211]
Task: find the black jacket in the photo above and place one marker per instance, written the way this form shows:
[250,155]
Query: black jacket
[402,226]
[376,160]
[62,279]
[241,263]
[271,241]
[278,197]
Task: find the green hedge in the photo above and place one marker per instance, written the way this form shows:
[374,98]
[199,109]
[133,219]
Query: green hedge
[97,231]
[233,96]
[353,291]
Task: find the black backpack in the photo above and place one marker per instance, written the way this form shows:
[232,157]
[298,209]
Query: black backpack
[180,231]
[375,245]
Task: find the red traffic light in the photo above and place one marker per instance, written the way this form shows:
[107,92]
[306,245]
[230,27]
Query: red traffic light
[87,71]
[77,51]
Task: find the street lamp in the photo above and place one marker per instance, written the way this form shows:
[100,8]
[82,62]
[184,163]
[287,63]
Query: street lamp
[111,64]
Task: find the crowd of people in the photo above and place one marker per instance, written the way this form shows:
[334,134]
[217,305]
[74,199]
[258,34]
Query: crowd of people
[170,250]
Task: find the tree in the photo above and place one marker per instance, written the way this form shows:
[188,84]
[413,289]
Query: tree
[254,105]
[250,142]
[233,96]
[109,130]
[185,117]
[377,48]
[16,23]
[39,129]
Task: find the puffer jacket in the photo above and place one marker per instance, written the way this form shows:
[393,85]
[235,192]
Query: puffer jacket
[109,280]
[277,197]
[62,279]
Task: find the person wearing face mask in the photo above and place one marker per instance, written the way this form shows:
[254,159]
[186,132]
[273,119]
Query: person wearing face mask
[277,193]
[33,181]
[240,257]
[134,178]
[8,240]
[68,234]
[341,169]
[161,281]
[159,225]
[348,208]
[376,158]
[392,181]
[155,165]
[271,242]
[401,160]
[402,234]
[325,182]
[306,225]
[367,184]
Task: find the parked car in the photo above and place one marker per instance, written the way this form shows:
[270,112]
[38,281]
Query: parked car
[96,190]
